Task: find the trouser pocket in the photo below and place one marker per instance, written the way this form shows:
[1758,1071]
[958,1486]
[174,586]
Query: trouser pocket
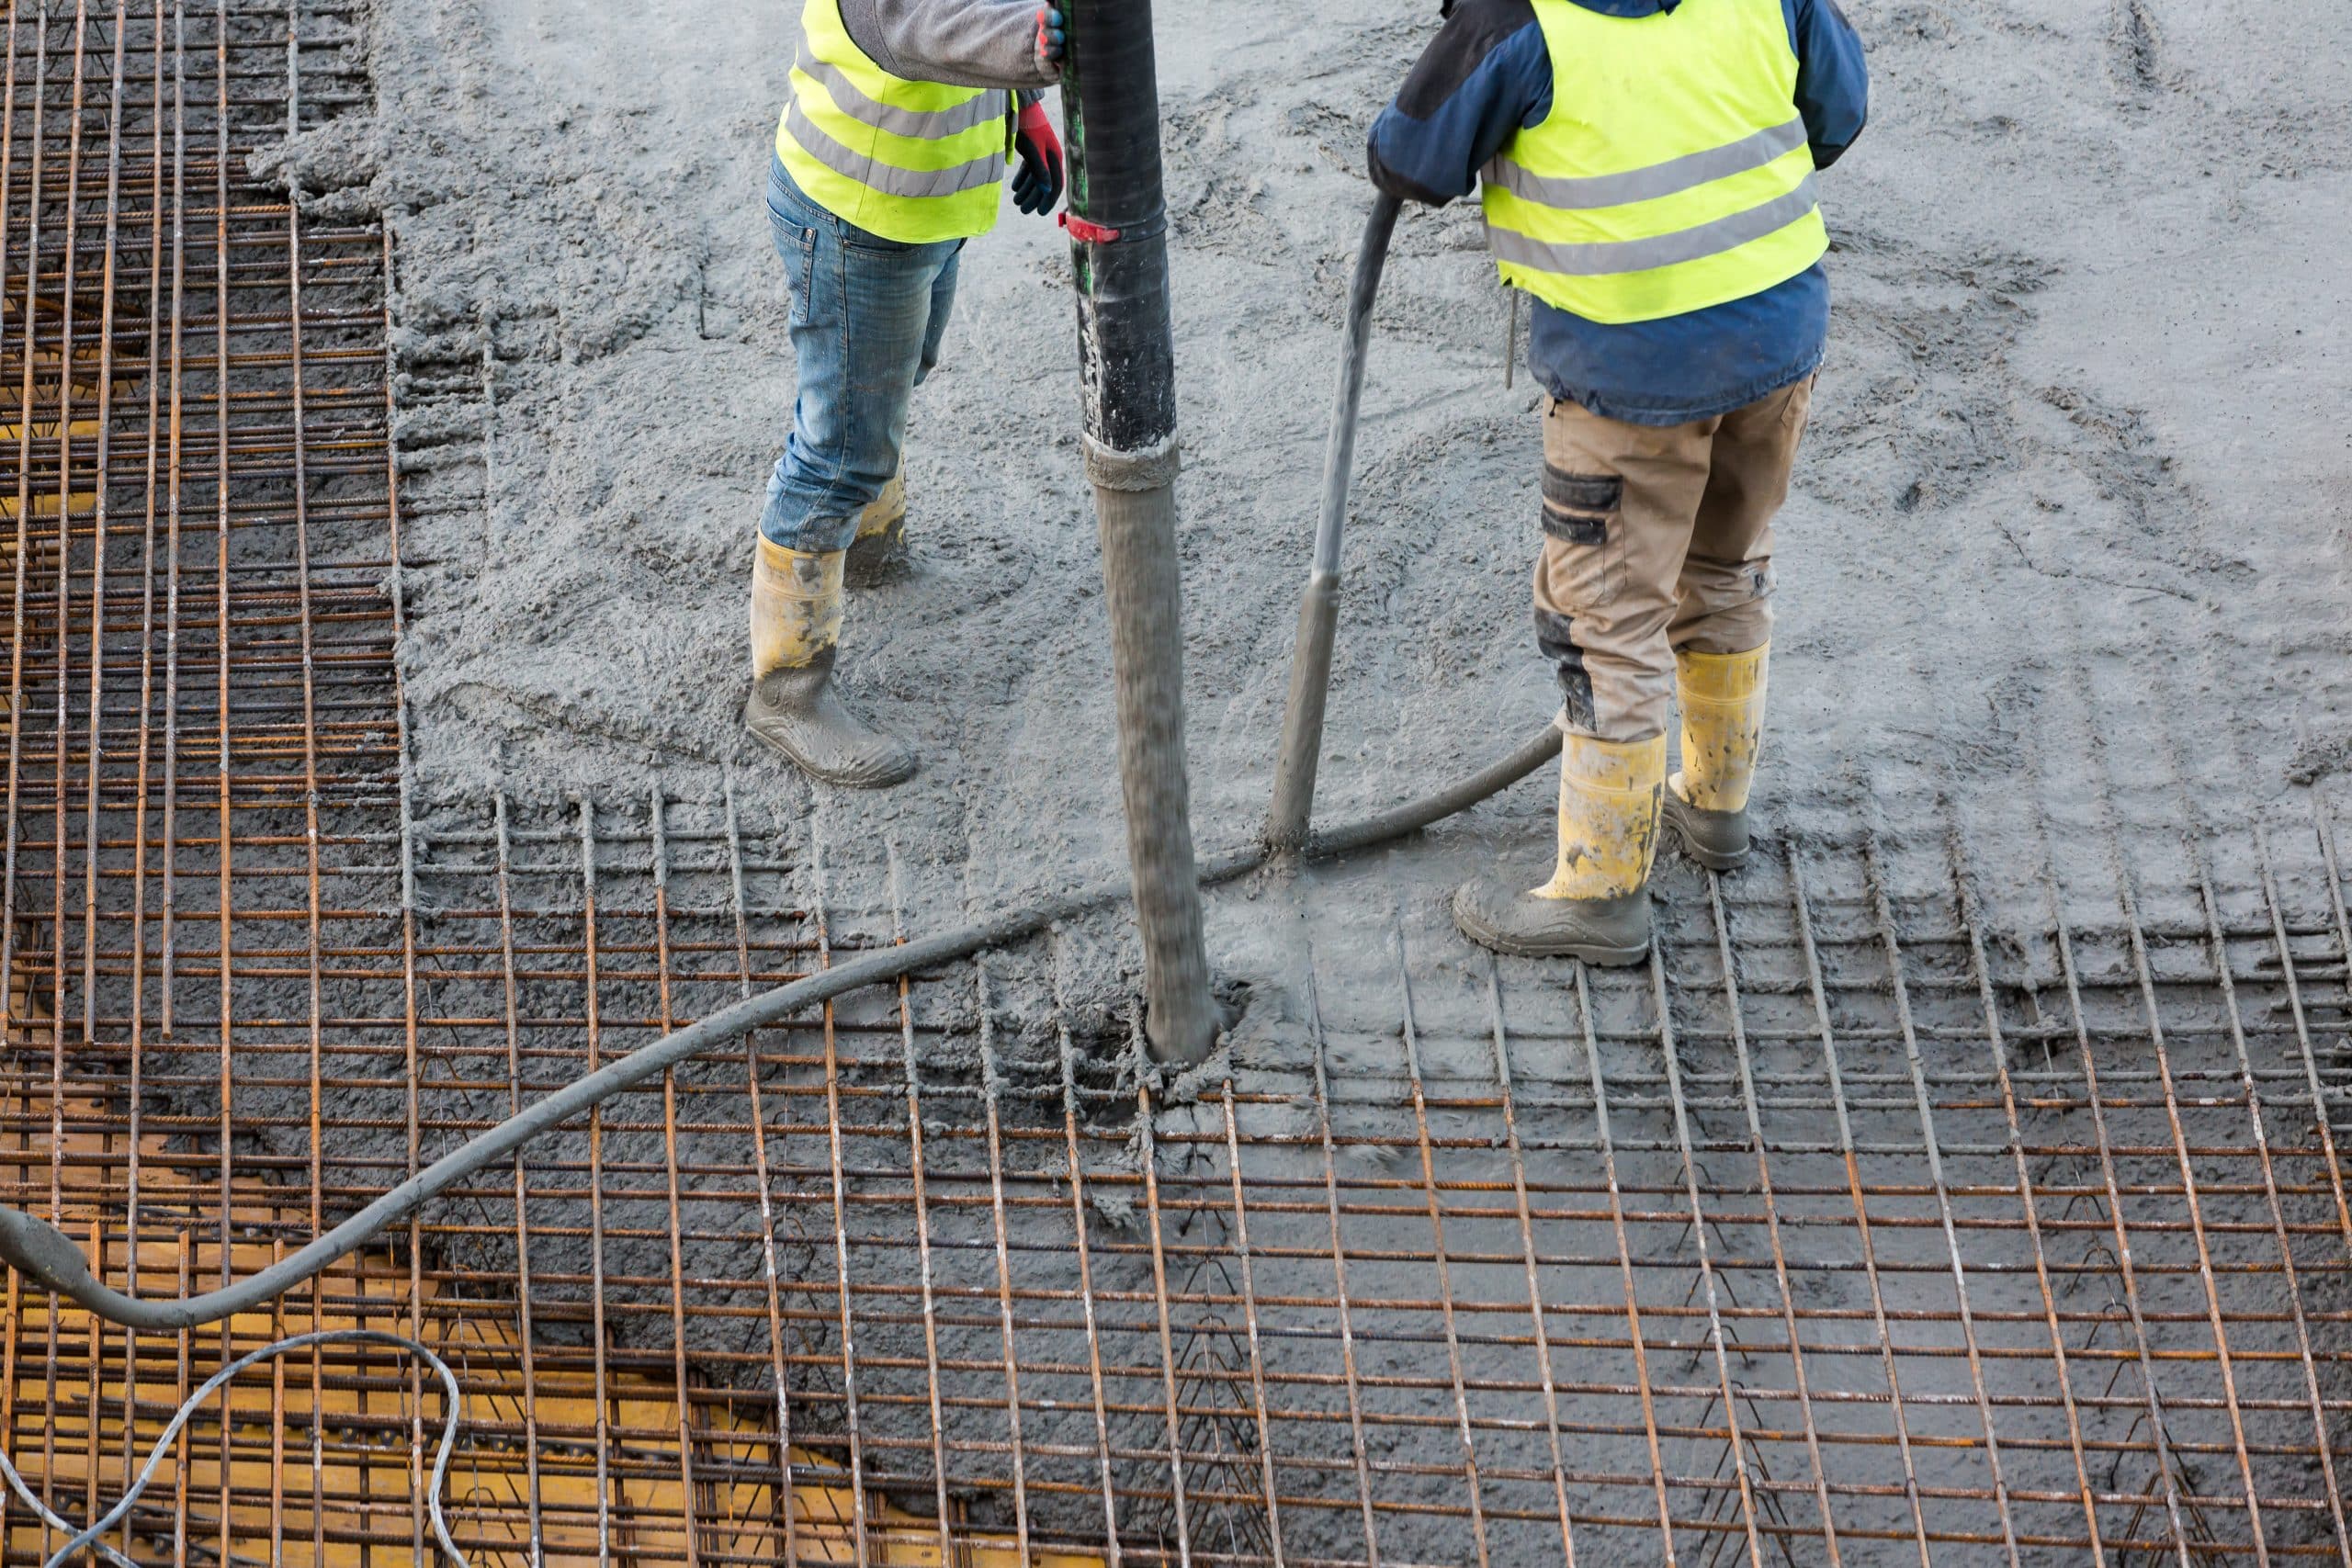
[1584,537]
[797,244]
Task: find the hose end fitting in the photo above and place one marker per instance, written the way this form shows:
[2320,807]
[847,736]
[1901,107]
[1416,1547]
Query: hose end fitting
[1151,467]
[1289,813]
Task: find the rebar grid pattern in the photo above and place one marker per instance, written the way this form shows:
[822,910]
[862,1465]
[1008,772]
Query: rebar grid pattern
[1896,1212]
[202,714]
[2004,1247]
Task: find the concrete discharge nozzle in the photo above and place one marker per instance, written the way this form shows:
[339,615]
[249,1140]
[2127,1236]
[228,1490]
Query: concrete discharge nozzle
[1118,229]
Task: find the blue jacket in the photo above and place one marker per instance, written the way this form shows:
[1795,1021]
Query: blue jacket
[1488,75]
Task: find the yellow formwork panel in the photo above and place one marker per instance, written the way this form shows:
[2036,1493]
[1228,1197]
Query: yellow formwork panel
[363,1482]
[80,503]
[46,430]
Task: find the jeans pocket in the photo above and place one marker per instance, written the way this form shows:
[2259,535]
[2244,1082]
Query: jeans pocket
[856,238]
[797,244]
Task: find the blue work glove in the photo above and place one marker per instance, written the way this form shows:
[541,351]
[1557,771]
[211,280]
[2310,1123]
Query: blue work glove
[1053,38]
[1038,186]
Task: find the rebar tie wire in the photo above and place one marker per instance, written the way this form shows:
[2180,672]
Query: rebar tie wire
[195,1402]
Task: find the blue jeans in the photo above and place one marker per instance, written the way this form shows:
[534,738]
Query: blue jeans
[867,315]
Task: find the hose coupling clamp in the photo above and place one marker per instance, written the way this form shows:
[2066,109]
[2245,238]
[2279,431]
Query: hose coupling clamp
[1153,467]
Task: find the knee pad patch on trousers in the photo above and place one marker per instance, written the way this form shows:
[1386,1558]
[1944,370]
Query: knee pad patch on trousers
[1584,538]
[1555,637]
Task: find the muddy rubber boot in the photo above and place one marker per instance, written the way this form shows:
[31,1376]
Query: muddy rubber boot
[1723,730]
[798,715]
[1596,906]
[880,551]
[794,710]
[1611,932]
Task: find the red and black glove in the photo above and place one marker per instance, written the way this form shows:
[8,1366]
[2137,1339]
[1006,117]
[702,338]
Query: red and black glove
[1038,186]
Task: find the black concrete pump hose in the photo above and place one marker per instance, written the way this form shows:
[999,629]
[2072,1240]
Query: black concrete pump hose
[49,1260]
[1118,228]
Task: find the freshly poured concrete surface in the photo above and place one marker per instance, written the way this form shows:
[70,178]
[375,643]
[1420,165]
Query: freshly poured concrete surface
[2080,431]
[2091,292]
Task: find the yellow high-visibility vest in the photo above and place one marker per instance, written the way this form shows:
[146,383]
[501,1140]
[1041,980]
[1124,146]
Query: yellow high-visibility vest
[914,161]
[1672,172]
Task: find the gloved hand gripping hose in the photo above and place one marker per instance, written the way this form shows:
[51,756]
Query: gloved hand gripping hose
[49,1260]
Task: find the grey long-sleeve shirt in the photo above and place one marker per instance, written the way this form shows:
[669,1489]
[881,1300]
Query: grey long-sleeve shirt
[963,44]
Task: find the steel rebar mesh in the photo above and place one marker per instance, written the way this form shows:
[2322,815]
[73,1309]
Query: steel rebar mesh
[1903,1208]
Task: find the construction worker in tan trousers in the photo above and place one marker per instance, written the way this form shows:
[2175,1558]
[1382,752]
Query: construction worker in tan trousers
[903,119]
[1647,173]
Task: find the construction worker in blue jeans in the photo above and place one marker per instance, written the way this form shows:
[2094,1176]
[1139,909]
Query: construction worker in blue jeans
[1646,169]
[904,119]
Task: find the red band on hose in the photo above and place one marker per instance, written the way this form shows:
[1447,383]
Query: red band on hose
[1087,232]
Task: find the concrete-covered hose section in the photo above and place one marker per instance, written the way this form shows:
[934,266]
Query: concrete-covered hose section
[49,1260]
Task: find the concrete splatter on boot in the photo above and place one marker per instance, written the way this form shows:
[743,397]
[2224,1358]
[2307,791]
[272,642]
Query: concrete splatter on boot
[880,551]
[1596,906]
[794,710]
[1723,730]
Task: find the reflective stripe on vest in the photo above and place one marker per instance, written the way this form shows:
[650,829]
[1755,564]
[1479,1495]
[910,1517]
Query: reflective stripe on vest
[1673,173]
[914,161]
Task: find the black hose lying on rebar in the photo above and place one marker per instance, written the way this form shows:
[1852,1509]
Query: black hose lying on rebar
[47,1259]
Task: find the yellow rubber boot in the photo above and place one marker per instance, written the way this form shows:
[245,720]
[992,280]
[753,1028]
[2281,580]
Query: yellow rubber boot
[880,547]
[1597,905]
[1723,730]
[795,709]
[795,607]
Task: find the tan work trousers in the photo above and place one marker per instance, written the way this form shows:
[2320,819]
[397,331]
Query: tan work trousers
[1657,538]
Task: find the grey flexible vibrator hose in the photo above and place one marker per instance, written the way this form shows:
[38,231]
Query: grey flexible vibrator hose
[1319,613]
[45,1255]
[50,1261]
